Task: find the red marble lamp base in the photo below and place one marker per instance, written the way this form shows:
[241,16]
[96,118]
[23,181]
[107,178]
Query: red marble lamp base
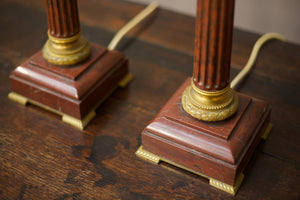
[218,151]
[72,91]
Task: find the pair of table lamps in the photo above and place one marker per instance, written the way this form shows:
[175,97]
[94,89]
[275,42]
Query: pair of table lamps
[206,127]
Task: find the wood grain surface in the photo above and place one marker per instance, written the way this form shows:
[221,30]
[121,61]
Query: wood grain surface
[43,158]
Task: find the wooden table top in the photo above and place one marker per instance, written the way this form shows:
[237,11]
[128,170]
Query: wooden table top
[43,158]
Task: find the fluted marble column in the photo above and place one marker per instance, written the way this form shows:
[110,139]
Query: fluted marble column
[213,42]
[209,97]
[63,20]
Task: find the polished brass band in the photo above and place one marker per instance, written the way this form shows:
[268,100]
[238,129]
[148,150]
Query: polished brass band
[66,51]
[209,106]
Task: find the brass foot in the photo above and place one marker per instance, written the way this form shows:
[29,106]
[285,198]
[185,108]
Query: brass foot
[80,124]
[266,133]
[147,155]
[18,98]
[231,189]
[77,123]
[126,80]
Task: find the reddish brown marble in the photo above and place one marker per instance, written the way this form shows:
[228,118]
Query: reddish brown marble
[74,90]
[213,41]
[219,150]
[63,19]
[43,158]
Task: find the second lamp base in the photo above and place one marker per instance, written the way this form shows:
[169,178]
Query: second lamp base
[71,91]
[218,151]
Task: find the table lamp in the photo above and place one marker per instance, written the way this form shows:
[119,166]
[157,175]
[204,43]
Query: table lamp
[69,76]
[206,127]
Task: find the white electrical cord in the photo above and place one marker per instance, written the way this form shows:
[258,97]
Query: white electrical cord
[260,42]
[131,24]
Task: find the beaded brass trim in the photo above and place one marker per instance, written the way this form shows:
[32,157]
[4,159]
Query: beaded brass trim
[209,106]
[147,155]
[231,189]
